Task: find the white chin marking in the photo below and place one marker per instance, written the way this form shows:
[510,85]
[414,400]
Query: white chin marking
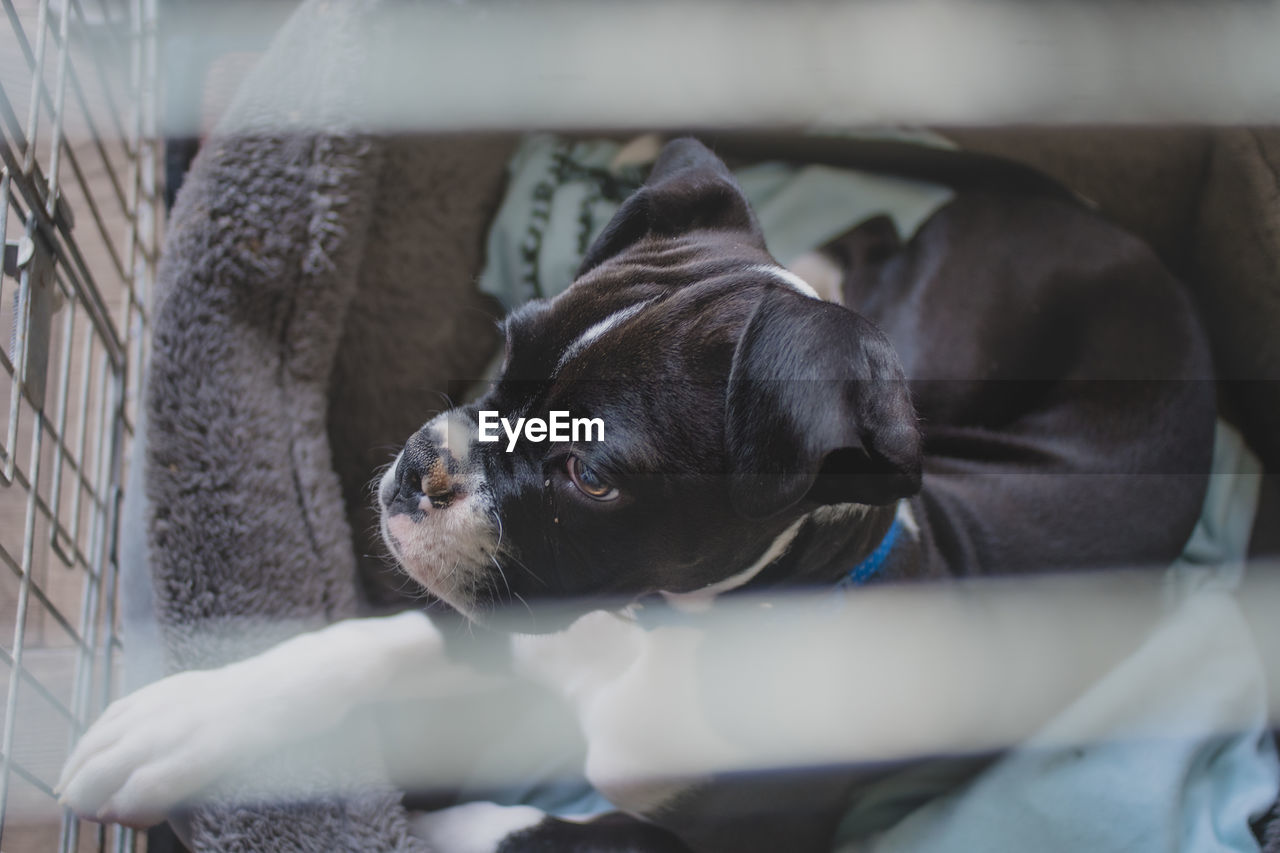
[449,551]
[473,827]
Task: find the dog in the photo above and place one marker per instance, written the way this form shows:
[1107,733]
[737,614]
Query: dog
[1021,388]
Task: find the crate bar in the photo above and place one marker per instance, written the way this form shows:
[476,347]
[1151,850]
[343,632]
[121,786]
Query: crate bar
[141,185]
[6,450]
[145,16]
[37,88]
[68,252]
[35,157]
[19,631]
[113,109]
[88,653]
[63,622]
[125,839]
[31,56]
[28,173]
[86,371]
[110,555]
[44,95]
[61,41]
[99,145]
[31,779]
[135,176]
[101,574]
[59,107]
[4,204]
[108,562]
[11,119]
[100,620]
[60,429]
[144,48]
[94,211]
[74,461]
[98,536]
[96,137]
[21,327]
[15,26]
[39,686]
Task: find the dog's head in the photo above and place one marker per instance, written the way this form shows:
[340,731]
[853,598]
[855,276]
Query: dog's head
[732,403]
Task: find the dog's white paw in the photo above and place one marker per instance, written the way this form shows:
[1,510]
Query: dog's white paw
[473,827]
[165,743]
[156,747]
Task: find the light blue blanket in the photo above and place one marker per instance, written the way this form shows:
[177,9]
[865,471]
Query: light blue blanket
[1166,764]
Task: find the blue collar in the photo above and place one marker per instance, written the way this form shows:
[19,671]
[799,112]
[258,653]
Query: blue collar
[864,572]
[873,563]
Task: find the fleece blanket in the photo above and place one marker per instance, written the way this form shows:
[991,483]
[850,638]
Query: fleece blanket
[317,286]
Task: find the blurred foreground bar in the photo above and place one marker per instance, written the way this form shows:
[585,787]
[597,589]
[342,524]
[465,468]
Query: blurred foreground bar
[813,63]
[874,678]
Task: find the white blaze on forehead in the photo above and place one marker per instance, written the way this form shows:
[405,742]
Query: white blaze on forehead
[597,330]
[789,278]
[699,600]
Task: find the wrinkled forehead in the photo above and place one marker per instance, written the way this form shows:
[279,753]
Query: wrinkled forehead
[627,322]
[688,333]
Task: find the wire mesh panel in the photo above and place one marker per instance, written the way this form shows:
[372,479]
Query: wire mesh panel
[78,217]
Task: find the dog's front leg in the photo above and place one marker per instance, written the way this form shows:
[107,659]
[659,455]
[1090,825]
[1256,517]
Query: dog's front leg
[164,743]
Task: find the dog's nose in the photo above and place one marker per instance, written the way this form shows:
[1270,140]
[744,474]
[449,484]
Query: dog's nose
[420,473]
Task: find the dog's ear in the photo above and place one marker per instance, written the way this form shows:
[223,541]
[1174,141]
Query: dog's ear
[689,188]
[817,410]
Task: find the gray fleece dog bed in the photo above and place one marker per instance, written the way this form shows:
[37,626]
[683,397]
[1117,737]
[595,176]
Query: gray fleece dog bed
[294,263]
[317,290]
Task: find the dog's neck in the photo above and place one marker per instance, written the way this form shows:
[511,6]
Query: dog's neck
[841,545]
[833,542]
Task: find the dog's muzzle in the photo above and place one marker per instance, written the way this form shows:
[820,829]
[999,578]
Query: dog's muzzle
[433,470]
[436,514]
[419,479]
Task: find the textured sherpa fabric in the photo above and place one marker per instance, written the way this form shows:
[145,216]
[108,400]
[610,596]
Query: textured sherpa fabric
[259,356]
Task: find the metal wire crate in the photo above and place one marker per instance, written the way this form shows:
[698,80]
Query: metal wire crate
[80,223]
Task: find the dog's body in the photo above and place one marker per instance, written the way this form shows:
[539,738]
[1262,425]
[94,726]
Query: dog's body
[1032,366]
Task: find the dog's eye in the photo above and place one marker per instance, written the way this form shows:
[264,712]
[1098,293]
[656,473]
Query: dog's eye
[588,481]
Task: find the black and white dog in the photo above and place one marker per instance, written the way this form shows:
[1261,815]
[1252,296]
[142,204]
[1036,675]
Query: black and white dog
[1022,388]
